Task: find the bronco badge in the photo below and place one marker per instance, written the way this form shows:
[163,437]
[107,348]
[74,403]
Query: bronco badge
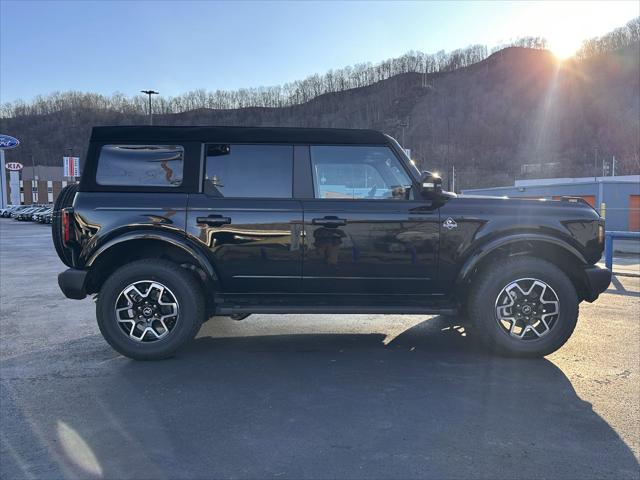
[449,224]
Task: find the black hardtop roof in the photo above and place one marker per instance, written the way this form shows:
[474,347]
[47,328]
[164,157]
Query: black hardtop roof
[215,134]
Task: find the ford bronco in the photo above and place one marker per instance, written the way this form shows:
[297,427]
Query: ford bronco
[170,226]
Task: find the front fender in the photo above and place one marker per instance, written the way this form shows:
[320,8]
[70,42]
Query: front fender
[482,251]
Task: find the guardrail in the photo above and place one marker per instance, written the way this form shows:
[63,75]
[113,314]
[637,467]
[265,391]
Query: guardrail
[609,237]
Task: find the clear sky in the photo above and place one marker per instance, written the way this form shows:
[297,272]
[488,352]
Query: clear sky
[176,46]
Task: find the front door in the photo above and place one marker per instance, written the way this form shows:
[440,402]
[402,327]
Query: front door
[366,230]
[247,219]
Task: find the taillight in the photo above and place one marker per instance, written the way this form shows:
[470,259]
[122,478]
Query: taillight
[66,229]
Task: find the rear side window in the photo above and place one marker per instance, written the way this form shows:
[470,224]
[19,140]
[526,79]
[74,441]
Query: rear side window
[140,165]
[249,171]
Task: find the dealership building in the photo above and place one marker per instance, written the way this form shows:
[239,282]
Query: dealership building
[39,184]
[617,196]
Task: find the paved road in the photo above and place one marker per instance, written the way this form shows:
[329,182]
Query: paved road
[299,396]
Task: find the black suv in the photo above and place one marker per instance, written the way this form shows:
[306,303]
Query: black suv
[173,225]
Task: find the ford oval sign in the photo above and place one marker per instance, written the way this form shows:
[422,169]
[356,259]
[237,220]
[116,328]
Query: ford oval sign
[14,166]
[7,142]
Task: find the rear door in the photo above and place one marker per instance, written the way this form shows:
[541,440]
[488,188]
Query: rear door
[246,218]
[366,230]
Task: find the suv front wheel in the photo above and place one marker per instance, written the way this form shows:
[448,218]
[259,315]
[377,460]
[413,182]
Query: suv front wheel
[523,307]
[150,308]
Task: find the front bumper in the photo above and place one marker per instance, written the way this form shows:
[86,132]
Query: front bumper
[72,282]
[597,281]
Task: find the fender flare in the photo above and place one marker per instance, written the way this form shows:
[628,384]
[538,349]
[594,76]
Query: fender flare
[174,239]
[482,251]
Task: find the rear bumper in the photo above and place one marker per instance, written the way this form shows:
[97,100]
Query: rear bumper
[72,282]
[597,281]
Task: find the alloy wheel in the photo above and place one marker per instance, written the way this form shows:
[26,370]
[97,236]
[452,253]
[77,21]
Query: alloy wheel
[146,311]
[527,309]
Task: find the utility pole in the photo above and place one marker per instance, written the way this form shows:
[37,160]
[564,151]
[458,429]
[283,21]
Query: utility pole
[403,125]
[448,144]
[595,164]
[149,93]
[613,166]
[453,178]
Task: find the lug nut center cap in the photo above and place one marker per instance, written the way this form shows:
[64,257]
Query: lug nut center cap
[526,309]
[147,311]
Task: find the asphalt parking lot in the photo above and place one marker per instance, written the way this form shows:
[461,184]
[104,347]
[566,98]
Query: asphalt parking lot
[297,396]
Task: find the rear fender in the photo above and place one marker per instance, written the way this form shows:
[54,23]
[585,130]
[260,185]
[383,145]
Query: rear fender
[198,258]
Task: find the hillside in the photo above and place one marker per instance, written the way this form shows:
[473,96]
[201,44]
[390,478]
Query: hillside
[516,107]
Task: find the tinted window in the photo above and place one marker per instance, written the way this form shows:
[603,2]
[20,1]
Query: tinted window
[358,172]
[140,165]
[242,171]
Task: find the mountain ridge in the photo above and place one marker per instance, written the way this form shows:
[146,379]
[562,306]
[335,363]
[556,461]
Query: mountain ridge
[517,107]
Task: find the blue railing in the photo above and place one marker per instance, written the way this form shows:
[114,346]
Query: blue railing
[608,244]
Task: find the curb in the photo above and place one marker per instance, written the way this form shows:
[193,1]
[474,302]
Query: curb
[625,274]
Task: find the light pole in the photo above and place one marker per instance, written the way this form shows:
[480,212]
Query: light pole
[403,125]
[150,92]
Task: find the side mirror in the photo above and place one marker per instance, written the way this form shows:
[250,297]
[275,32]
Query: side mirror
[431,184]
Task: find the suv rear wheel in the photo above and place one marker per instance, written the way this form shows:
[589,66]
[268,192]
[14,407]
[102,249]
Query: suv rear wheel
[150,308]
[524,307]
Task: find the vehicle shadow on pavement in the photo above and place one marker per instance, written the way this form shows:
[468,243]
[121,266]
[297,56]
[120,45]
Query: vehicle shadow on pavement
[431,404]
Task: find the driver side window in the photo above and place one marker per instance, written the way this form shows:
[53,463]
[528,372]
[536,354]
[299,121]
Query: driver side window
[358,172]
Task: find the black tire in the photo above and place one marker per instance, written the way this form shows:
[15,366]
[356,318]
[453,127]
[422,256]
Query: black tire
[64,200]
[488,286]
[182,284]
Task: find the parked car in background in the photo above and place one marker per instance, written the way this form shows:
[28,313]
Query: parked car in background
[34,215]
[27,215]
[40,216]
[6,209]
[21,212]
[7,212]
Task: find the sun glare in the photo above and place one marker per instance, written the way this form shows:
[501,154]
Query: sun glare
[564,48]
[565,40]
[566,24]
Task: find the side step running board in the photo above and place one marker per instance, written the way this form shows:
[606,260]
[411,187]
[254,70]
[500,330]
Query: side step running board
[336,309]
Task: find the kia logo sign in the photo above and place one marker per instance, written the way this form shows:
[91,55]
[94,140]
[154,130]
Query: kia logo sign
[13,166]
[7,142]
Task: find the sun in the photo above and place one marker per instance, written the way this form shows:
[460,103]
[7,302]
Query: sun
[564,47]
[567,24]
[565,40]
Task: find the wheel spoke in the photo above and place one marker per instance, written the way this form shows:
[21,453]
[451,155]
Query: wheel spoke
[128,290]
[164,325]
[512,328]
[153,331]
[124,309]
